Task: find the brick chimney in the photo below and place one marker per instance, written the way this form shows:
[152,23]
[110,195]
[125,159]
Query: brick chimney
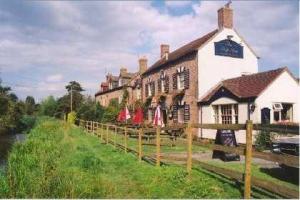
[123,70]
[143,64]
[164,50]
[225,17]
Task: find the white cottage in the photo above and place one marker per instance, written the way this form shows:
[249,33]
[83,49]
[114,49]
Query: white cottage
[265,97]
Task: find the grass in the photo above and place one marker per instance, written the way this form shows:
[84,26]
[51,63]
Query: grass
[256,171]
[59,160]
[149,147]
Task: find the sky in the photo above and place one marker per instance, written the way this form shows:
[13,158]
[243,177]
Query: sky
[46,44]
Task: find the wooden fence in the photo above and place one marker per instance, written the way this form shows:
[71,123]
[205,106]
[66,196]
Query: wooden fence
[102,131]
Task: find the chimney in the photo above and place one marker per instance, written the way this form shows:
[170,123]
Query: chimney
[123,70]
[164,50]
[142,64]
[225,17]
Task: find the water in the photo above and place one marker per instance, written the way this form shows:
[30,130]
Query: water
[6,142]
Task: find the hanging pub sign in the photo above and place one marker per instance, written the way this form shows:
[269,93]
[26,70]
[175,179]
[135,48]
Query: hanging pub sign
[226,138]
[229,48]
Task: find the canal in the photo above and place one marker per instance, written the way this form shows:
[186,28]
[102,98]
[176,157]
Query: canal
[6,142]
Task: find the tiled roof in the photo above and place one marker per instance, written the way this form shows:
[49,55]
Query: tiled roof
[184,50]
[104,84]
[248,85]
[127,75]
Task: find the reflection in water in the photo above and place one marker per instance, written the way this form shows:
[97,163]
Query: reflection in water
[6,142]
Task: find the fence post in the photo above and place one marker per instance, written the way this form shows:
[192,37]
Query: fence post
[248,159]
[189,134]
[102,131]
[140,131]
[158,146]
[125,140]
[115,137]
[106,133]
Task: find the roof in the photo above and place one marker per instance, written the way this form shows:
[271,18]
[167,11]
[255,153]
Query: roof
[127,75]
[108,91]
[247,86]
[104,84]
[182,51]
[114,78]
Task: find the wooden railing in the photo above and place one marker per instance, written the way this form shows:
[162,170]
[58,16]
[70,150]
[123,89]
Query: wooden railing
[102,130]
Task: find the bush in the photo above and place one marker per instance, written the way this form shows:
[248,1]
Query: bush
[71,117]
[27,123]
[262,140]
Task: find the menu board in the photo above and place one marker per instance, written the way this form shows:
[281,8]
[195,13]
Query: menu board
[226,138]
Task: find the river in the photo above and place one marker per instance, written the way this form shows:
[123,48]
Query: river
[6,142]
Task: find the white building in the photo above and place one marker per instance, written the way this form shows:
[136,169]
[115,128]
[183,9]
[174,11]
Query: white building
[265,97]
[230,89]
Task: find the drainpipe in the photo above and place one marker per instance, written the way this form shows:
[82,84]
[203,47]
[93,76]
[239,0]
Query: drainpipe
[248,110]
[201,136]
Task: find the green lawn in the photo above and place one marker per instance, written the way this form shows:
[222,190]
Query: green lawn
[149,147]
[256,171]
[58,160]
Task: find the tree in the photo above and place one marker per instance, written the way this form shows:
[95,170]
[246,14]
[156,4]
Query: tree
[29,105]
[112,111]
[48,107]
[74,86]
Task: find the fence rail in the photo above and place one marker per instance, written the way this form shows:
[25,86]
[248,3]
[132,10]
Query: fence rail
[141,132]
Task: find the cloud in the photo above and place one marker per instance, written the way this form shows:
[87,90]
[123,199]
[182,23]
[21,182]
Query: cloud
[178,3]
[83,40]
[54,78]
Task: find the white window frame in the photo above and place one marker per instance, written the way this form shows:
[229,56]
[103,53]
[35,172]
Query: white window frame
[138,94]
[180,114]
[149,90]
[162,82]
[180,81]
[278,107]
[218,116]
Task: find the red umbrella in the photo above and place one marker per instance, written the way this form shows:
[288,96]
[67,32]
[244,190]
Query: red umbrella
[121,116]
[138,116]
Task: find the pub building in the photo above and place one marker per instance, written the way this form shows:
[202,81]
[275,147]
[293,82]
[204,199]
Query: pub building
[215,79]
[179,79]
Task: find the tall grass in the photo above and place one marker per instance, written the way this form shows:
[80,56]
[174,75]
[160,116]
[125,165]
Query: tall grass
[59,160]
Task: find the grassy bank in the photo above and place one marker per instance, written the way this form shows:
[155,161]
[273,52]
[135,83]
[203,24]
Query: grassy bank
[60,161]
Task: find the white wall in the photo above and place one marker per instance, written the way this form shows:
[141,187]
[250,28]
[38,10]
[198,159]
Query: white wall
[208,117]
[212,68]
[283,89]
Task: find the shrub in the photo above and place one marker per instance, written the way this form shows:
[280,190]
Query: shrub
[71,117]
[262,140]
[27,123]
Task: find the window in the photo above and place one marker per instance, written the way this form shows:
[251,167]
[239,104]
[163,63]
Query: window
[226,114]
[162,82]
[277,106]
[282,112]
[180,114]
[236,113]
[149,90]
[216,114]
[180,81]
[138,94]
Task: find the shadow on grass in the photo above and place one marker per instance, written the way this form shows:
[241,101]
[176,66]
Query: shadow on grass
[256,192]
[287,174]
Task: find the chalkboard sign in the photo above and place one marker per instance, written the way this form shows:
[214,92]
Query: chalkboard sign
[229,48]
[226,138]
